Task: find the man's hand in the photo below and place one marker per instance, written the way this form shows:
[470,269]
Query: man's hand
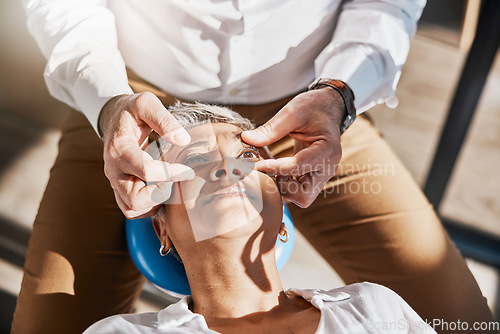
[313,120]
[126,122]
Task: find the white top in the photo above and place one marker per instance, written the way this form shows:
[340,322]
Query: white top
[356,308]
[221,51]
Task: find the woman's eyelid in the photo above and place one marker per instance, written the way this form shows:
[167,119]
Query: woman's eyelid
[250,148]
[210,155]
[191,156]
[201,152]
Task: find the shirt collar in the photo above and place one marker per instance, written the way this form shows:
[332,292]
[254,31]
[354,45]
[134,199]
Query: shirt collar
[317,297]
[179,314]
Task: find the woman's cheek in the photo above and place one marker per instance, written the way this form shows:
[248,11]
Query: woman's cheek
[175,196]
[269,185]
[186,191]
[190,190]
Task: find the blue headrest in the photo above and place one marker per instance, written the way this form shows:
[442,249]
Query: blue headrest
[166,271]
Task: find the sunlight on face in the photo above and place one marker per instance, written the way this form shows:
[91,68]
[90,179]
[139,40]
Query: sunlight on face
[227,192]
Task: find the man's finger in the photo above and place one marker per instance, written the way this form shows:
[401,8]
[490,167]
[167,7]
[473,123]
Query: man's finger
[140,164]
[178,172]
[320,155]
[289,166]
[281,166]
[167,172]
[162,192]
[140,197]
[304,190]
[316,157]
[150,213]
[131,214]
[276,128]
[151,110]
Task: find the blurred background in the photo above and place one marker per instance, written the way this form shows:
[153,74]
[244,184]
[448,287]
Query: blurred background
[468,201]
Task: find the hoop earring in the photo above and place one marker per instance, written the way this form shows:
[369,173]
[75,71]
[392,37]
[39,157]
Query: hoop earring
[162,253]
[285,235]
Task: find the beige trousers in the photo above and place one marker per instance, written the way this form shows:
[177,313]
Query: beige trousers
[372,223]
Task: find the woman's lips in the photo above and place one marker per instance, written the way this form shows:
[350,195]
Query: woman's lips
[230,191]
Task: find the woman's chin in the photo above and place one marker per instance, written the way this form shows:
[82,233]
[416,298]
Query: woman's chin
[222,216]
[235,207]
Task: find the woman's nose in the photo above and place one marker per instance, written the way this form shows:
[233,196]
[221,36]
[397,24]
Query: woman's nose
[228,168]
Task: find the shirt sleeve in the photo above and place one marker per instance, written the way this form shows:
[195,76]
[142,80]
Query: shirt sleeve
[78,38]
[398,312]
[369,47]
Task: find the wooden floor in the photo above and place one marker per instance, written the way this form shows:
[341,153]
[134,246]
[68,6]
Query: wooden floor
[413,128]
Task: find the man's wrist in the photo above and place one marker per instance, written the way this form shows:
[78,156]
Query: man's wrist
[347,96]
[105,114]
[335,103]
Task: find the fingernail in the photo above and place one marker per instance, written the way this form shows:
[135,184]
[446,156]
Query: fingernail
[181,137]
[162,192]
[187,174]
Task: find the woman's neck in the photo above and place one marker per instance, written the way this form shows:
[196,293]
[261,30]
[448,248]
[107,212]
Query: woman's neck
[232,284]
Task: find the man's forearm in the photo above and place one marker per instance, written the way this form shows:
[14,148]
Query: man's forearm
[369,47]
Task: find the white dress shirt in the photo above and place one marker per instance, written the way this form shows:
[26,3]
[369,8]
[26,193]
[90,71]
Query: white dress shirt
[229,51]
[356,308]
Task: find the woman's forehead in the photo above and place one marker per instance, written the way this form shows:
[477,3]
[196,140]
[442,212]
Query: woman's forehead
[216,131]
[211,136]
[207,137]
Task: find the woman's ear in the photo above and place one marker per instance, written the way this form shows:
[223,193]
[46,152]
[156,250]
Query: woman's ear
[161,232]
[158,228]
[283,233]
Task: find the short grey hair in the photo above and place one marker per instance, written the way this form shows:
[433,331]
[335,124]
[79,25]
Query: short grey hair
[193,114]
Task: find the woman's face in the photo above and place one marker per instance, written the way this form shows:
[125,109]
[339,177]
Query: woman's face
[227,197]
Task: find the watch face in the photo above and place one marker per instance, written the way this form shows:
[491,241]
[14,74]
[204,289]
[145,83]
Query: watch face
[347,123]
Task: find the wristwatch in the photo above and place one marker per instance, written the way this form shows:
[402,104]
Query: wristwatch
[347,96]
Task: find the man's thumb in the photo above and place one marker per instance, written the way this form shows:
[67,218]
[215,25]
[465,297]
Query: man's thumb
[267,133]
[256,137]
[161,120]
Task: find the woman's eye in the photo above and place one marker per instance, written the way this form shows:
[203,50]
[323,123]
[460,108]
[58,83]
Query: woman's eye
[194,159]
[250,154]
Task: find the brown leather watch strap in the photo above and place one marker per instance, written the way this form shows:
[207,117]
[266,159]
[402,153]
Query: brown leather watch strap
[347,95]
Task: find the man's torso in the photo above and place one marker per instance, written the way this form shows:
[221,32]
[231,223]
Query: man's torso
[230,52]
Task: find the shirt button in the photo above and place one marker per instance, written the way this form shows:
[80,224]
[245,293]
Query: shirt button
[234,92]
